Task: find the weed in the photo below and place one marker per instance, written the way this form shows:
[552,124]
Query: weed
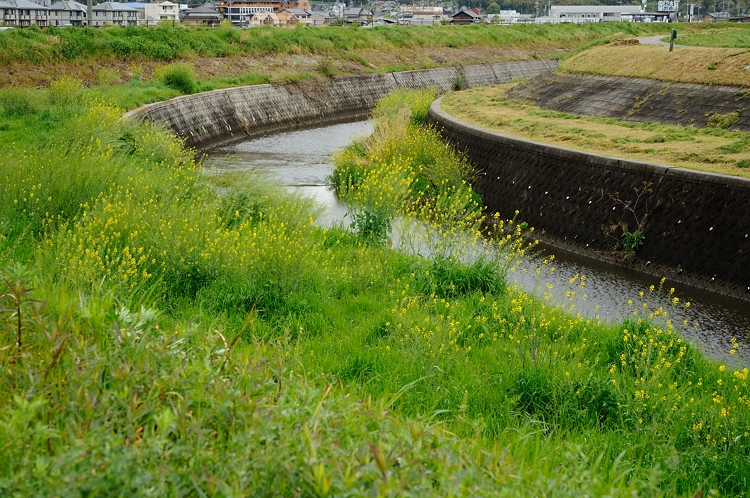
[18,102]
[458,83]
[631,240]
[179,77]
[372,227]
[325,68]
[65,91]
[723,121]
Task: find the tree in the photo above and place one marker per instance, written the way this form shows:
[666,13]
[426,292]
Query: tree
[493,8]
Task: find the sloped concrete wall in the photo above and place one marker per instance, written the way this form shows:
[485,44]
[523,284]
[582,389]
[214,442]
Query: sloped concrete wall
[636,99]
[698,226]
[211,119]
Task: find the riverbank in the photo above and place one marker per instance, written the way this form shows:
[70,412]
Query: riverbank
[166,332]
[115,56]
[712,149]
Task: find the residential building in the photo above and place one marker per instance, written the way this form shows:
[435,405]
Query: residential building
[300,16]
[262,19]
[357,15]
[286,18]
[238,11]
[141,8]
[201,15]
[594,13]
[22,13]
[114,13]
[466,17]
[67,13]
[162,11]
[717,16]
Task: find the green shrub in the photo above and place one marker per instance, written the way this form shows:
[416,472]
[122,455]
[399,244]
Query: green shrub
[19,102]
[372,227]
[179,77]
[65,91]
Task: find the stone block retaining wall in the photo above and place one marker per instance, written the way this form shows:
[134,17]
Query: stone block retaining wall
[697,231]
[220,117]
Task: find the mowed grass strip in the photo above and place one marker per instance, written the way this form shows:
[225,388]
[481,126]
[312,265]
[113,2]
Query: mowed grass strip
[728,35]
[712,66]
[713,150]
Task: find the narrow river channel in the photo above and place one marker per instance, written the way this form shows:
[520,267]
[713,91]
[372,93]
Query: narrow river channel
[301,161]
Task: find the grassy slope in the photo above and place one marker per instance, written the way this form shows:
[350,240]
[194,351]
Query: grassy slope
[34,58]
[356,370]
[715,66]
[713,150]
[707,149]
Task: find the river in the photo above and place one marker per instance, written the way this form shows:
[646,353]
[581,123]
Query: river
[301,160]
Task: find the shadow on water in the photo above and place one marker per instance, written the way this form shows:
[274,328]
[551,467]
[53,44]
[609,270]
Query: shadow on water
[301,161]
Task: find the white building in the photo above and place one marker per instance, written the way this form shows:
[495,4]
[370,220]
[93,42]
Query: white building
[114,13]
[67,13]
[594,13]
[22,13]
[162,11]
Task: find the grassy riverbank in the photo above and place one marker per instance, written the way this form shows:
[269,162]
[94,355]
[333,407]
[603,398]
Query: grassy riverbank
[172,340]
[170,332]
[706,149]
[707,66]
[115,55]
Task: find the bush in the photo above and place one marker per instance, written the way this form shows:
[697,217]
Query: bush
[18,102]
[65,91]
[179,77]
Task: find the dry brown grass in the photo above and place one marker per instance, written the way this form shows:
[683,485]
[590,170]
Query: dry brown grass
[712,150]
[714,66]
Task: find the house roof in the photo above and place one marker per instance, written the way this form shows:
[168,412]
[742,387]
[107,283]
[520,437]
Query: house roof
[68,5]
[469,13]
[357,11]
[114,7]
[21,4]
[202,10]
[298,12]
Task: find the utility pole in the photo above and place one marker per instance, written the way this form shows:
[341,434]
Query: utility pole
[89,12]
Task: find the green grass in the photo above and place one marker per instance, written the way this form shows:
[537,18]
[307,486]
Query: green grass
[179,333]
[724,35]
[167,43]
[713,148]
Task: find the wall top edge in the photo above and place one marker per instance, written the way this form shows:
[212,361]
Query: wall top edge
[592,158]
[143,110]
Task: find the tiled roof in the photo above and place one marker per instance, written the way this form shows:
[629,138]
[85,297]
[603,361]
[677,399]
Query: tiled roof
[114,6]
[68,5]
[21,4]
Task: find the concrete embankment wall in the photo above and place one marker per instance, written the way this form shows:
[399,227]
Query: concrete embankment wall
[698,226]
[216,118]
[636,99]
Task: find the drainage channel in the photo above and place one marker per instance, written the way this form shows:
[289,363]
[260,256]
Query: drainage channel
[301,160]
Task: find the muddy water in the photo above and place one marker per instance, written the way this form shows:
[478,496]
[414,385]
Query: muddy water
[301,161]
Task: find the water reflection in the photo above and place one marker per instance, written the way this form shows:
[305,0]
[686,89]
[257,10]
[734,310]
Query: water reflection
[301,161]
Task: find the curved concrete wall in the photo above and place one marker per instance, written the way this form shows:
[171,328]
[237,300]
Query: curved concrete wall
[635,99]
[698,228]
[220,117]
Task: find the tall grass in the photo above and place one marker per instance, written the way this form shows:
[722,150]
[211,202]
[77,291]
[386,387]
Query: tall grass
[166,331]
[167,43]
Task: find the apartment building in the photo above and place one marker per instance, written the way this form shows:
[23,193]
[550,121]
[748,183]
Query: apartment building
[67,13]
[162,11]
[23,13]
